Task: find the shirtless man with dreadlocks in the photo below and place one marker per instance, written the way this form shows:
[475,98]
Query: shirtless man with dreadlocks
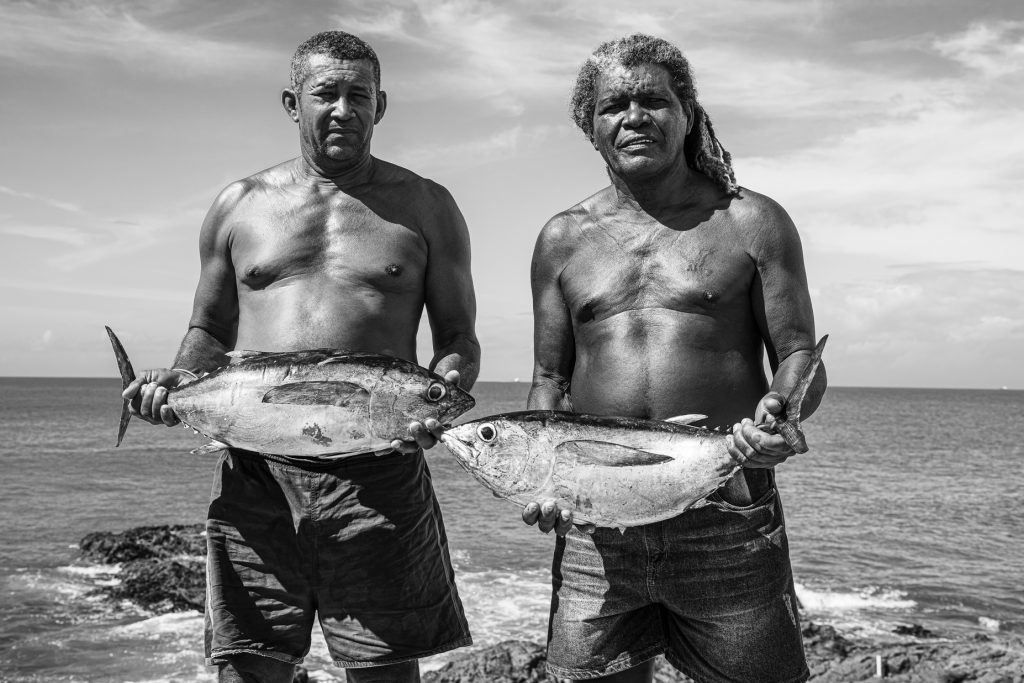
[656,297]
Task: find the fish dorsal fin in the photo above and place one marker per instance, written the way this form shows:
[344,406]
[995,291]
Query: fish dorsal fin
[212,447]
[340,394]
[608,454]
[242,353]
[687,419]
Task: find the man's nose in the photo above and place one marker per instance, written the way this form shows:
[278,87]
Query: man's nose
[635,115]
[342,108]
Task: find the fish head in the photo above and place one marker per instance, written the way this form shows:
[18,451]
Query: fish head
[415,394]
[497,450]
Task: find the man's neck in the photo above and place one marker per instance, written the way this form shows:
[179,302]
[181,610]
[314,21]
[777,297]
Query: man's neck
[660,194]
[350,176]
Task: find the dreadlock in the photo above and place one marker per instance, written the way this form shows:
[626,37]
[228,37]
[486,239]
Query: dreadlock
[702,149]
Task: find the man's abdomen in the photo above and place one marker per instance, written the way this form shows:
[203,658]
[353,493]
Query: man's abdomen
[657,362]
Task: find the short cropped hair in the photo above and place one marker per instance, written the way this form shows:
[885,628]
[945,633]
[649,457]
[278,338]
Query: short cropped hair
[336,44]
[703,151]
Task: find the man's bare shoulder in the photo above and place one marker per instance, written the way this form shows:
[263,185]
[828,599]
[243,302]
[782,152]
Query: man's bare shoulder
[393,177]
[566,226]
[759,211]
[766,226]
[281,175]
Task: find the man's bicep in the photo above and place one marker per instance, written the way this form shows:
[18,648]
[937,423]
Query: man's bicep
[450,297]
[781,297]
[554,346]
[215,306]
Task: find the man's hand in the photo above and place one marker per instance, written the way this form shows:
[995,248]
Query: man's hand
[423,435]
[547,516]
[147,395]
[752,445]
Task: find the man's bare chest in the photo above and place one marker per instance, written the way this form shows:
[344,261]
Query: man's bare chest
[612,271]
[347,242]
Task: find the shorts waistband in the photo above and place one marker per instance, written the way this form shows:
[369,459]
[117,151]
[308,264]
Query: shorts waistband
[317,464]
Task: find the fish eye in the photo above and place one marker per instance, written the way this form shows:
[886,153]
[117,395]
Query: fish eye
[436,391]
[486,432]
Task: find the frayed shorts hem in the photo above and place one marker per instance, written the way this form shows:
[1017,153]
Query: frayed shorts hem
[621,663]
[219,656]
[450,645]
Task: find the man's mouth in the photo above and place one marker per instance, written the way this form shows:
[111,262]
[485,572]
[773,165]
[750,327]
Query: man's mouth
[637,141]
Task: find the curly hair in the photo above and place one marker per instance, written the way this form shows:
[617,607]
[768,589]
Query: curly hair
[336,44]
[703,151]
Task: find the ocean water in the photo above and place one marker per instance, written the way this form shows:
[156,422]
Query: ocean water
[908,509]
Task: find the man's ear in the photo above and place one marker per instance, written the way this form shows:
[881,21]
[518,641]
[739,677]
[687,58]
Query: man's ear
[382,105]
[688,108]
[290,102]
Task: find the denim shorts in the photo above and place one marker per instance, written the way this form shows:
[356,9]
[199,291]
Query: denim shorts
[712,589]
[357,542]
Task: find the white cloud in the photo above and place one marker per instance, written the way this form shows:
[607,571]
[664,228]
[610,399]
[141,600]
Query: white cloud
[64,33]
[992,48]
[55,203]
[468,153]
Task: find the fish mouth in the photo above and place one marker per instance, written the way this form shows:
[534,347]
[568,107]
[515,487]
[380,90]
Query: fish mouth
[462,451]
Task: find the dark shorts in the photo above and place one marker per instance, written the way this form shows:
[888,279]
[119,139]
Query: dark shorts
[712,589]
[357,542]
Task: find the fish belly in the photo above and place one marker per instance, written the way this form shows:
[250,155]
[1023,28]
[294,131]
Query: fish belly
[628,496]
[284,429]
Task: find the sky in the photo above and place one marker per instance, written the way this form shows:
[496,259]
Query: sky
[889,131]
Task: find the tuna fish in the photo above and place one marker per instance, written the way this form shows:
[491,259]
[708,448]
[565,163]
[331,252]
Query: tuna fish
[320,402]
[610,471]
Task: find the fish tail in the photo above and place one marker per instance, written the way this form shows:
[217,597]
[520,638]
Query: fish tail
[127,376]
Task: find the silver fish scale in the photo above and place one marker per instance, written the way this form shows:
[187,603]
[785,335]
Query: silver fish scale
[617,472]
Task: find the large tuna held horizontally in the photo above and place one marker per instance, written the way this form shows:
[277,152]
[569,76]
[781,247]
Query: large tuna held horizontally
[308,403]
[610,471]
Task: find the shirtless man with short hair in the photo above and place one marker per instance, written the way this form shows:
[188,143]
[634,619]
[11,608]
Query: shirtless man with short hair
[658,297]
[333,249]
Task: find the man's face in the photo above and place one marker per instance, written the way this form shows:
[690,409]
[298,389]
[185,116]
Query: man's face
[336,107]
[639,122]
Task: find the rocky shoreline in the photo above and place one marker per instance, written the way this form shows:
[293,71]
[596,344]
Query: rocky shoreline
[163,570]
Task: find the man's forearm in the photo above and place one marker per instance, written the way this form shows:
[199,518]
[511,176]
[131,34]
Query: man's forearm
[461,353]
[200,352]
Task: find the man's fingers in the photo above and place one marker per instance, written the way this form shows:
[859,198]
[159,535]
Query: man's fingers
[167,416]
[132,389]
[563,522]
[530,513]
[452,377]
[548,516]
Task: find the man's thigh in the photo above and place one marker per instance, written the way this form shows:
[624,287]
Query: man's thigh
[726,588]
[247,668]
[403,672]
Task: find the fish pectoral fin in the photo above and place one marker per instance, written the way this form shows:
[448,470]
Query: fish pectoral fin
[212,447]
[608,454]
[340,394]
[243,353]
[687,419]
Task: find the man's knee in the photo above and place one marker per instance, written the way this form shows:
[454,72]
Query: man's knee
[405,672]
[247,668]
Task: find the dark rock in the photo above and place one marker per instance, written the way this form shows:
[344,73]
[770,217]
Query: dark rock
[513,661]
[163,567]
[823,641]
[143,542]
[163,585]
[915,630]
